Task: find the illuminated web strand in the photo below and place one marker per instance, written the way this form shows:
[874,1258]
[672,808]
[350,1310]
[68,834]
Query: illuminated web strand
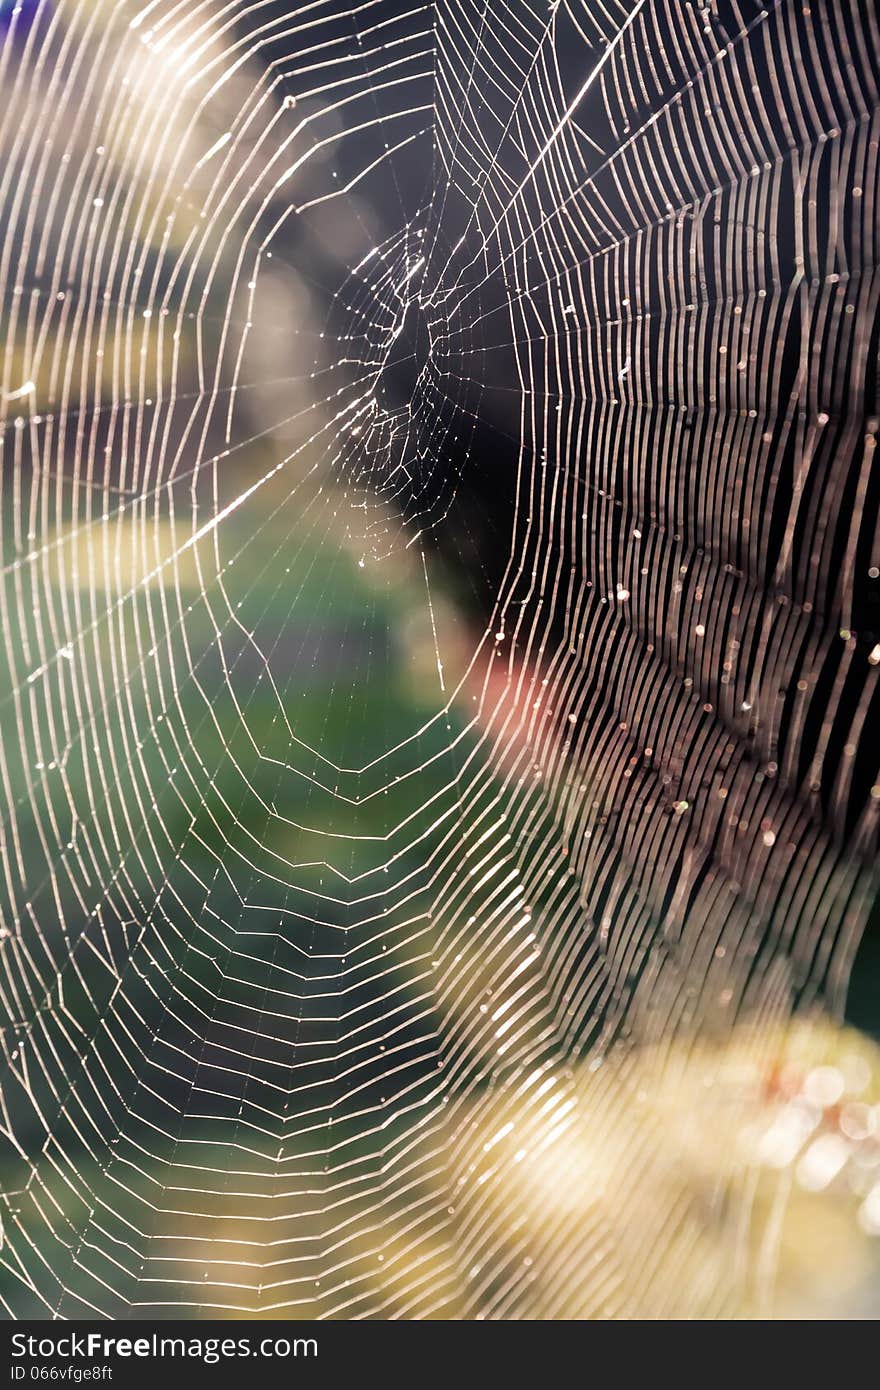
[342,1011]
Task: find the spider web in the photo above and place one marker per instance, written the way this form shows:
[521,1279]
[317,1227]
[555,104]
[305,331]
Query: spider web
[329,955]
